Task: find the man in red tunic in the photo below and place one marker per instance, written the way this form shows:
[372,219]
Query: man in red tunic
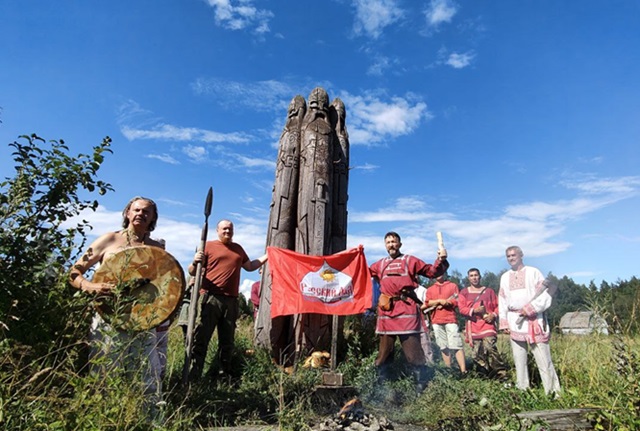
[479,305]
[443,295]
[402,318]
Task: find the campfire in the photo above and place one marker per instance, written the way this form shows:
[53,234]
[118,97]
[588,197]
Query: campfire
[352,417]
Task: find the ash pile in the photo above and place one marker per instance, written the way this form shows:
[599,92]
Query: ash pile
[352,417]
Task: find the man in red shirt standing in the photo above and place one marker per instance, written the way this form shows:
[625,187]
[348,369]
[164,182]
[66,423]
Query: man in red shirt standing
[222,261]
[443,295]
[479,304]
[400,317]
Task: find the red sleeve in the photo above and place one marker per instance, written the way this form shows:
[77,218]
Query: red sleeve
[432,271]
[454,291]
[492,304]
[464,304]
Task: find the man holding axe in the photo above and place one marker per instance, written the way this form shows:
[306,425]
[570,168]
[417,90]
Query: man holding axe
[479,306]
[524,297]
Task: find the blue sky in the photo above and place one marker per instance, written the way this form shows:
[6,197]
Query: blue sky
[496,122]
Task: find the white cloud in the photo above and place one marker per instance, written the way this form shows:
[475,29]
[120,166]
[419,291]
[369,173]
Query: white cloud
[556,211]
[182,238]
[101,220]
[130,110]
[367,167]
[459,61]
[536,226]
[167,132]
[263,96]
[588,185]
[253,162]
[241,14]
[403,209]
[440,11]
[166,158]
[251,234]
[380,65]
[245,286]
[372,16]
[373,120]
[191,136]
[172,202]
[196,154]
[233,161]
[387,215]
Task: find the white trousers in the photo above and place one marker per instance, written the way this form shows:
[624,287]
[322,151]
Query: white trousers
[112,349]
[162,345]
[542,355]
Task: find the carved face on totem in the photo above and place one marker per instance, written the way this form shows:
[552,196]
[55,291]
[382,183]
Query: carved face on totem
[297,107]
[319,100]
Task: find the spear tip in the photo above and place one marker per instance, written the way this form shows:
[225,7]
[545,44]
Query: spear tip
[208,203]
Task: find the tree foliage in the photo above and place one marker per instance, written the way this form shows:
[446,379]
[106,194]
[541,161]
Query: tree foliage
[569,297]
[622,300]
[37,238]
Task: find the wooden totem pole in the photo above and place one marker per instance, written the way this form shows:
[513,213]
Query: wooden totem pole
[308,213]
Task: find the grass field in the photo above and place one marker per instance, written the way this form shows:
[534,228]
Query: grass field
[54,393]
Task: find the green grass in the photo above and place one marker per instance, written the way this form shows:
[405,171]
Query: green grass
[55,393]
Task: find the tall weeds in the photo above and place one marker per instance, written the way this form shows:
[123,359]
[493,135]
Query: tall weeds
[56,391]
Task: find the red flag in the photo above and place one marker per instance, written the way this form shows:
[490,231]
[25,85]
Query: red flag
[339,284]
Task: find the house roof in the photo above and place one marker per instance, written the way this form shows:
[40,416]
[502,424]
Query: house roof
[581,319]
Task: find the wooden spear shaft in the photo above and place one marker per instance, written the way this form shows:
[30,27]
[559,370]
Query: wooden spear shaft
[193,305]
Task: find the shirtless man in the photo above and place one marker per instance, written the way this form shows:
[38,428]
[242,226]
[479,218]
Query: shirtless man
[138,219]
[134,352]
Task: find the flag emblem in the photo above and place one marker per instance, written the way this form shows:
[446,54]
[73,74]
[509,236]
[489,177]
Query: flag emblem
[327,285]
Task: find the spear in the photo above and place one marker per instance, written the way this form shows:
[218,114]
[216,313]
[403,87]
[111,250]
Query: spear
[195,290]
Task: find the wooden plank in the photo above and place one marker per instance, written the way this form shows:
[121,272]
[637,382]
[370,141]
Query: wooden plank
[566,419]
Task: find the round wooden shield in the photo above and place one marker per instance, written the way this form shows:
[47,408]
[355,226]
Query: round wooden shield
[149,285]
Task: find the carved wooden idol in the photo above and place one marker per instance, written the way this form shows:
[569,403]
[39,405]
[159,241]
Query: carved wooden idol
[308,212]
[277,334]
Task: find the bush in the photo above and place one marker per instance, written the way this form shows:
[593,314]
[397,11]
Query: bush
[36,245]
